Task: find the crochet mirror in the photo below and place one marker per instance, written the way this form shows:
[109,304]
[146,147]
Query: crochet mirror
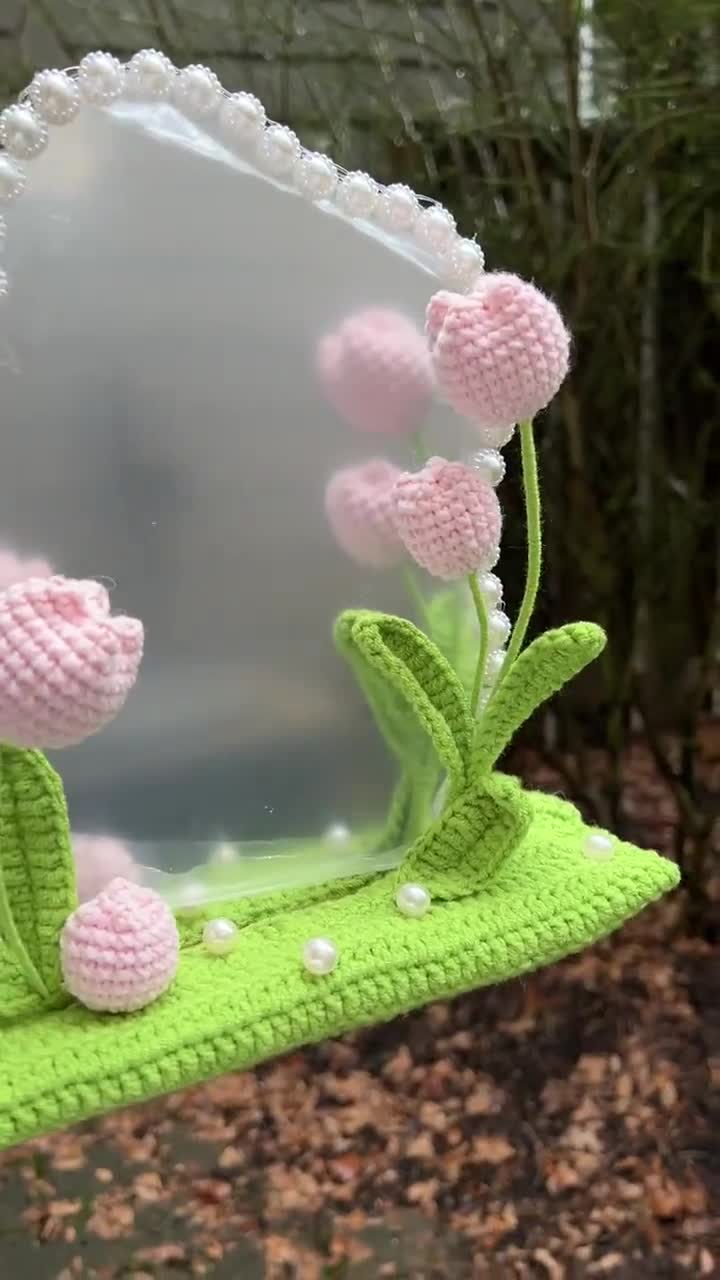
[256,677]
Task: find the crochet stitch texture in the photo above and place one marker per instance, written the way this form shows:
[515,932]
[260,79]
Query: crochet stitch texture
[119,951]
[448,517]
[66,665]
[512,889]
[499,353]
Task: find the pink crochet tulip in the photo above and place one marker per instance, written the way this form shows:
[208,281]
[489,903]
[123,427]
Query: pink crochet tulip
[499,353]
[119,951]
[13,569]
[376,372]
[449,518]
[360,508]
[98,860]
[66,665]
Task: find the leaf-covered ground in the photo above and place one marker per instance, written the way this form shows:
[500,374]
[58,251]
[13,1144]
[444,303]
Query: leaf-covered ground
[556,1128]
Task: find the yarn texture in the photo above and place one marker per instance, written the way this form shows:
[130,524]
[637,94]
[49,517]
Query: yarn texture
[66,665]
[512,888]
[499,353]
[119,951]
[448,517]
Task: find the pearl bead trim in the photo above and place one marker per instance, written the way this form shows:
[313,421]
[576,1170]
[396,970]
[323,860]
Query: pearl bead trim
[55,97]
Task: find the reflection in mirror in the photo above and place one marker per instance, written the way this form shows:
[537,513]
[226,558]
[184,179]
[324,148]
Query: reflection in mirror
[212,359]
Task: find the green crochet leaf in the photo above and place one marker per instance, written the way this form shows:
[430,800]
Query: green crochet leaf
[463,850]
[540,670]
[411,690]
[37,882]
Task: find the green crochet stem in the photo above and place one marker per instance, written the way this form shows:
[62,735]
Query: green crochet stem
[531,488]
[481,610]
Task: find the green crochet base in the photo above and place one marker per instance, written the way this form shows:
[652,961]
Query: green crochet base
[512,886]
[223,1014]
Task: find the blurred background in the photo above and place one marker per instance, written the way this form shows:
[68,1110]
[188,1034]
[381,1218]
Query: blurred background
[578,140]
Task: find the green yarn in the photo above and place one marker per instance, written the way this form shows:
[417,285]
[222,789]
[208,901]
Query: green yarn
[466,846]
[482,617]
[540,671]
[511,882]
[37,884]
[410,688]
[546,899]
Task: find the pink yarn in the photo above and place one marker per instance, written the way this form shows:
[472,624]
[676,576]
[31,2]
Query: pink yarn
[376,372]
[98,860]
[449,518]
[14,569]
[500,353]
[361,511]
[66,665]
[119,951]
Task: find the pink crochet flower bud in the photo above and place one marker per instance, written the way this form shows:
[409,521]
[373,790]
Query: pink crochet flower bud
[376,372]
[66,665]
[98,860]
[499,353]
[119,951]
[14,569]
[449,518]
[361,512]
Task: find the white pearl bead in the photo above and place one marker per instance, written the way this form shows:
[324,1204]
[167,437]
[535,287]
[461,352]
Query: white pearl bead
[279,150]
[150,75]
[101,78]
[4,286]
[320,956]
[494,665]
[12,179]
[22,132]
[316,176]
[490,464]
[435,228]
[220,936]
[3,233]
[598,846]
[196,91]
[55,96]
[464,263]
[242,117]
[499,627]
[399,208]
[338,831]
[357,195]
[413,900]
